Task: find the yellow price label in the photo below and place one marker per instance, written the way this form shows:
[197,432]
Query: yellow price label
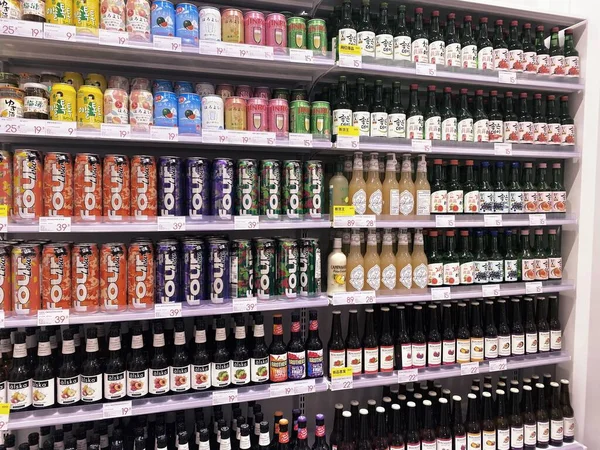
[341,372]
[344,211]
[4,408]
[348,131]
[3,210]
[349,49]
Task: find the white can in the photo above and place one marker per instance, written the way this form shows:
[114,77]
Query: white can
[213,116]
[210,24]
[204,89]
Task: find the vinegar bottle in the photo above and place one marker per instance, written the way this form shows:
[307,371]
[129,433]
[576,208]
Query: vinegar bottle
[419,262]
[422,188]
[374,188]
[406,187]
[403,262]
[388,262]
[355,266]
[357,189]
[391,190]
[372,263]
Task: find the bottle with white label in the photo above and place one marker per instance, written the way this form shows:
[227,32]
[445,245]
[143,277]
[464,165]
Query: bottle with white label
[379,115]
[390,188]
[43,383]
[468,44]
[511,120]
[500,47]
[501,198]
[374,188]
[463,336]
[502,423]
[422,188]
[372,263]
[486,191]
[515,191]
[511,262]
[480,119]
[571,59]
[158,374]
[366,32]
[556,417]
[477,333]
[388,262]
[558,200]
[435,265]
[495,261]
[529,420]
[448,336]
[567,124]
[396,114]
[414,116]
[355,266]
[567,411]
[68,391]
[357,189]
[490,343]
[517,332]
[336,269]
[419,340]
[419,262]
[543,60]
[452,41]
[540,256]
[179,371]
[470,190]
[353,344]
[386,342]
[473,423]
[504,337]
[346,28]
[342,109]
[464,118]
[458,425]
[488,426]
[495,120]
[481,260]
[554,256]
[437,44]
[451,261]
[554,323]
[434,339]
[370,344]
[485,54]
[137,366]
[403,262]
[449,124]
[541,417]
[420,39]
[515,48]
[466,260]
[526,258]
[439,192]
[384,36]
[413,436]
[531,332]
[529,52]
[361,117]
[433,120]
[402,39]
[114,372]
[515,420]
[525,121]
[557,55]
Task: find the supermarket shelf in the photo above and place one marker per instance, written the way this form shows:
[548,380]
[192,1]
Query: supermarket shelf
[474,220]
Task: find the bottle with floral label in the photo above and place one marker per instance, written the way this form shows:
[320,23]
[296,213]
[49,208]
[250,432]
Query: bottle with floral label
[435,262]
[355,266]
[527,261]
[517,331]
[414,116]
[419,262]
[481,259]
[396,114]
[452,41]
[525,121]
[422,188]
[530,192]
[463,336]
[485,54]
[402,39]
[439,192]
[437,45]
[342,109]
[370,344]
[405,189]
[464,118]
[486,191]
[515,191]
[495,261]
[353,344]
[468,44]
[495,120]
[357,190]
[420,39]
[540,127]
[361,117]
[373,188]
[558,200]
[490,332]
[511,120]
[403,262]
[529,53]
[433,120]
[455,190]
[372,263]
[571,56]
[480,119]
[470,190]
[384,37]
[386,342]
[501,197]
[449,124]
[567,124]
[43,384]
[466,259]
[511,266]
[419,341]
[451,261]
[388,262]
[531,332]
[366,32]
[501,58]
[557,54]
[488,426]
[544,63]
[554,256]
[540,257]
[515,48]
[346,28]
[379,115]
[477,334]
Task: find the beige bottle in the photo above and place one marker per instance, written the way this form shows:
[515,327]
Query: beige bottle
[338,189]
[407,188]
[374,188]
[357,190]
[372,263]
[355,266]
[348,167]
[336,269]
[391,193]
[422,188]
[419,262]
[403,262]
[388,261]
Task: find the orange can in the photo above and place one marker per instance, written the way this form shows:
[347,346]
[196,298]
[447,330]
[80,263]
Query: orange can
[56,276]
[5,275]
[58,184]
[115,187]
[232,26]
[85,277]
[140,274]
[144,196]
[87,186]
[25,264]
[113,277]
[27,197]
[6,180]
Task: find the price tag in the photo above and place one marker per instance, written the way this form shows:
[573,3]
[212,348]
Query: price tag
[421,145]
[239,137]
[281,390]
[262,52]
[442,221]
[492,220]
[117,409]
[301,140]
[344,210]
[62,129]
[165,134]
[246,222]
[301,55]
[167,310]
[55,224]
[304,387]
[533,287]
[441,293]
[343,298]
[502,149]
[408,376]
[171,223]
[498,365]
[364,297]
[350,56]
[167,43]
[341,379]
[4,411]
[60,32]
[349,142]
[10,125]
[33,127]
[366,221]
[262,138]
[537,220]
[507,77]
[226,396]
[216,48]
[426,69]
[344,222]
[490,290]
[471,368]
[244,304]
[115,131]
[118,38]
[47,317]
[215,137]
[22,28]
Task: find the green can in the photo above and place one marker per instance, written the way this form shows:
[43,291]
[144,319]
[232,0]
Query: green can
[281,93]
[296,29]
[312,191]
[299,94]
[320,119]
[287,267]
[246,200]
[242,269]
[292,189]
[270,188]
[265,268]
[300,116]
[317,36]
[310,267]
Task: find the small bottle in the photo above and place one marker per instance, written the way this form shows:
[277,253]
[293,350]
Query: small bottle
[567,124]
[488,427]
[555,327]
[557,56]
[464,118]
[552,121]
[414,116]
[517,330]
[420,39]
[435,266]
[114,372]
[544,62]
[515,420]
[511,263]
[481,261]
[567,412]
[504,332]
[556,417]
[542,418]
[540,256]
[529,420]
[433,119]
[526,257]
[463,336]
[402,38]
[458,428]
[501,55]
[495,260]
[529,52]
[502,423]
[571,57]
[485,54]
[495,120]
[335,346]
[68,388]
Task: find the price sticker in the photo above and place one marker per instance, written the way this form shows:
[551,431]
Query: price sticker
[262,138]
[115,131]
[344,222]
[442,221]
[48,317]
[301,140]
[281,390]
[226,396]
[408,376]
[167,43]
[171,223]
[502,149]
[301,55]
[10,125]
[239,51]
[366,221]
[343,298]
[60,32]
[22,28]
[4,412]
[246,222]
[348,142]
[212,48]
[167,310]
[507,77]
[350,56]
[344,210]
[421,145]
[54,224]
[118,38]
[244,304]
[471,368]
[215,137]
[164,134]
[537,220]
[341,378]
[498,365]
[492,220]
[364,297]
[426,69]
[32,127]
[61,129]
[304,387]
[534,287]
[441,293]
[117,409]
[490,290]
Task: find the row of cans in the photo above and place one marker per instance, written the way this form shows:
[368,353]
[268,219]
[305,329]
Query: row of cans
[88,187]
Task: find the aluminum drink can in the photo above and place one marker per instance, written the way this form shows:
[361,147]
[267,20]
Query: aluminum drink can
[189,113]
[235,113]
[183,87]
[299,94]
[197,199]
[95,79]
[74,79]
[141,110]
[163,18]
[165,109]
[63,103]
[6,180]
[28,194]
[168,264]
[112,15]
[317,36]
[87,15]
[203,89]
[244,91]
[144,196]
[90,107]
[222,188]
[242,269]
[276,25]
[186,23]
[138,20]
[5,278]
[300,117]
[281,93]
[170,189]
[210,24]
[310,267]
[213,113]
[264,268]
[225,90]
[58,184]
[279,113]
[118,82]
[246,199]
[254,28]
[116,106]
[320,119]
[87,186]
[292,189]
[219,269]
[140,83]
[287,267]
[140,275]
[296,29]
[116,187]
[26,279]
[194,271]
[270,188]
[232,26]
[312,191]
[160,85]
[58,12]
[256,114]
[56,276]
[85,276]
[113,277]
[262,92]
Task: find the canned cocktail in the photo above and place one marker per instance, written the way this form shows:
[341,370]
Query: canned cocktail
[194,266]
[270,188]
[56,276]
[113,277]
[287,267]
[292,189]
[197,187]
[116,187]
[222,188]
[246,199]
[26,267]
[265,268]
[85,268]
[144,196]
[242,269]
[58,184]
[87,186]
[313,189]
[310,267]
[170,186]
[140,275]
[168,265]
[218,270]
[28,173]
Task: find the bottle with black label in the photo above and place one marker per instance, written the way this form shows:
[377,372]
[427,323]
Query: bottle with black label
[221,361]
[114,373]
[158,377]
[137,365]
[296,352]
[43,382]
[259,362]
[180,362]
[68,386]
[19,393]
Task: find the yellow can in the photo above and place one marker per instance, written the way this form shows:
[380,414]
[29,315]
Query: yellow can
[87,14]
[59,12]
[95,79]
[63,102]
[90,107]
[75,79]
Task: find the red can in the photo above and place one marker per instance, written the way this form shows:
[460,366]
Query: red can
[25,265]
[276,30]
[5,275]
[56,276]
[144,197]
[87,186]
[6,180]
[28,173]
[262,92]
[58,184]
[85,277]
[279,114]
[113,277]
[115,187]
[254,28]
[140,274]
[244,91]
[257,114]
[225,91]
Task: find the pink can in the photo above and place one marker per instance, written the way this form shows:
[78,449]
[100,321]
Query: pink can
[225,90]
[276,30]
[263,92]
[256,110]
[279,114]
[254,28]
[244,91]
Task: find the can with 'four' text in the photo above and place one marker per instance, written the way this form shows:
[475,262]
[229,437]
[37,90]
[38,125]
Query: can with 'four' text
[247,187]
[264,268]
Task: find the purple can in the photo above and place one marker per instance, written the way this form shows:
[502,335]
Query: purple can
[244,91]
[218,270]
[222,188]
[167,271]
[263,92]
[170,186]
[194,266]
[197,198]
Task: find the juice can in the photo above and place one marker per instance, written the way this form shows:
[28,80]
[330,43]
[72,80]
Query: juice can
[279,113]
[90,107]
[189,113]
[276,25]
[11,9]
[203,89]
[244,91]
[313,189]
[232,26]
[59,12]
[115,187]
[300,116]
[113,277]
[213,112]
[225,90]
[167,271]
[210,24]
[163,18]
[264,268]
[194,271]
[28,174]
[270,188]
[197,185]
[112,15]
[292,189]
[118,82]
[96,79]
[63,102]
[317,36]
[235,113]
[246,198]
[254,28]
[87,186]
[141,110]
[116,106]
[219,269]
[256,112]
[6,180]
[138,20]
[183,87]
[144,196]
[310,267]
[58,184]
[242,269]
[160,85]
[140,83]
[320,119]
[75,79]
[5,278]
[296,29]
[282,93]
[56,276]
[170,189]
[165,109]
[85,266]
[287,267]
[26,280]
[140,275]
[222,188]
[186,23]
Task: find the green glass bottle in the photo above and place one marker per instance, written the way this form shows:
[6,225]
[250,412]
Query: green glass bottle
[557,55]
[571,55]
[366,32]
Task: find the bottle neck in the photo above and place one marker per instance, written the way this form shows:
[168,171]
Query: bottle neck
[493,103]
[467,32]
[508,105]
[361,93]
[346,11]
[479,104]
[431,99]
[569,43]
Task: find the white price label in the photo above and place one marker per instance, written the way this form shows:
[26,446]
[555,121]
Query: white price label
[22,28]
[33,127]
[10,125]
[502,149]
[215,136]
[115,131]
[408,376]
[246,222]
[301,140]
[350,142]
[352,61]
[239,50]
[2,317]
[117,409]
[492,220]
[60,32]
[261,52]
[301,55]
[165,134]
[304,387]
[421,145]
[4,420]
[244,304]
[262,138]
[171,223]
[490,290]
[167,43]
[498,365]
[342,383]
[55,224]
[364,297]
[118,38]
[47,317]
[471,368]
[240,137]
[366,221]
[281,390]
[533,287]
[441,293]
[226,396]
[62,129]
[216,48]
[3,224]
[443,221]
[537,220]
[167,310]
[426,69]
[343,298]
[507,77]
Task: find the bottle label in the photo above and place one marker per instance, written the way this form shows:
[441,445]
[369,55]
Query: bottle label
[541,268]
[481,272]
[511,270]
[468,57]
[504,346]
[530,201]
[68,390]
[531,343]
[485,59]
[337,358]
[379,124]
[433,127]
[388,276]
[398,447]
[371,358]
[460,442]
[420,276]
[435,274]
[555,268]
[526,132]
[515,201]
[357,277]
[465,130]
[374,277]
[557,67]
[471,202]
[395,202]
[452,274]
[489,440]
[42,393]
[114,385]
[572,67]
[296,365]
[354,358]
[473,440]
[530,62]
[19,394]
[406,276]
[496,130]
[515,60]
[517,344]
[495,271]
[569,426]
[467,271]
[436,52]
[438,202]
[366,40]
[414,127]
[477,348]
[455,202]
[359,201]
[158,379]
[384,46]
[481,131]
[314,366]
[556,430]
[240,371]
[341,117]
[559,201]
[486,202]
[449,129]
[555,340]
[567,135]
[259,370]
[137,384]
[434,354]
[553,131]
[516,437]
[529,435]
[501,59]
[406,356]
[528,269]
[503,439]
[511,131]
[544,341]
[402,48]
[376,202]
[491,347]
[278,365]
[544,64]
[386,356]
[463,350]
[425,445]
[347,36]
[423,202]
[362,120]
[501,202]
[420,50]
[416,446]
[540,133]
[448,352]
[453,55]
[396,125]
[419,353]
[543,432]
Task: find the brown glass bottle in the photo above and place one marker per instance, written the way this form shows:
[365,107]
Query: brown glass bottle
[396,438]
[68,384]
[114,371]
[531,334]
[347,442]
[419,347]
[413,439]
[320,439]
[529,421]
[335,346]
[370,344]
[488,427]
[556,417]
[515,420]
[567,411]
[502,425]
[541,417]
[472,424]
[278,363]
[338,421]
[554,323]
[403,347]
[158,377]
[459,431]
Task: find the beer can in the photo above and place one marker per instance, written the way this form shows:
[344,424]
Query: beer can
[170,189]
[116,106]
[298,94]
[140,274]
[189,114]
[58,184]
[317,36]
[279,113]
[26,279]
[183,87]
[262,92]
[186,23]
[213,113]
[222,188]
[292,189]
[85,277]
[219,269]
[87,186]
[254,28]
[90,107]
[141,110]
[116,187]
[300,116]
[144,196]
[242,269]
[74,79]
[5,278]
[264,268]
[313,189]
[296,29]
[6,180]
[203,89]
[194,271]
[246,199]
[112,15]
[244,91]
[281,93]
[310,267]
[95,79]
[160,85]
[28,174]
[235,113]
[165,109]
[113,277]
[276,26]
[225,90]
[59,12]
[56,276]
[256,114]
[197,199]
[163,18]
[63,103]
[210,24]
[287,267]
[232,26]
[320,120]
[270,188]
[138,20]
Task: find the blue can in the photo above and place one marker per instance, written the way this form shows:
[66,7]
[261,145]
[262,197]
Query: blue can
[194,271]
[163,18]
[162,85]
[168,266]
[197,200]
[170,190]
[189,114]
[186,23]
[183,87]
[165,109]
[218,270]
[222,188]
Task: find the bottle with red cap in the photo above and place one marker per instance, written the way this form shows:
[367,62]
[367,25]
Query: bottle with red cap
[500,47]
[480,119]
[437,45]
[542,52]
[414,116]
[454,189]
[433,120]
[485,53]
[529,53]
[452,56]
[567,125]
[468,51]
[495,120]
[557,55]
[571,56]
[540,257]
[511,120]
[540,133]
[464,118]
[449,125]
[515,48]
[420,39]
[552,121]
[525,121]
[558,200]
